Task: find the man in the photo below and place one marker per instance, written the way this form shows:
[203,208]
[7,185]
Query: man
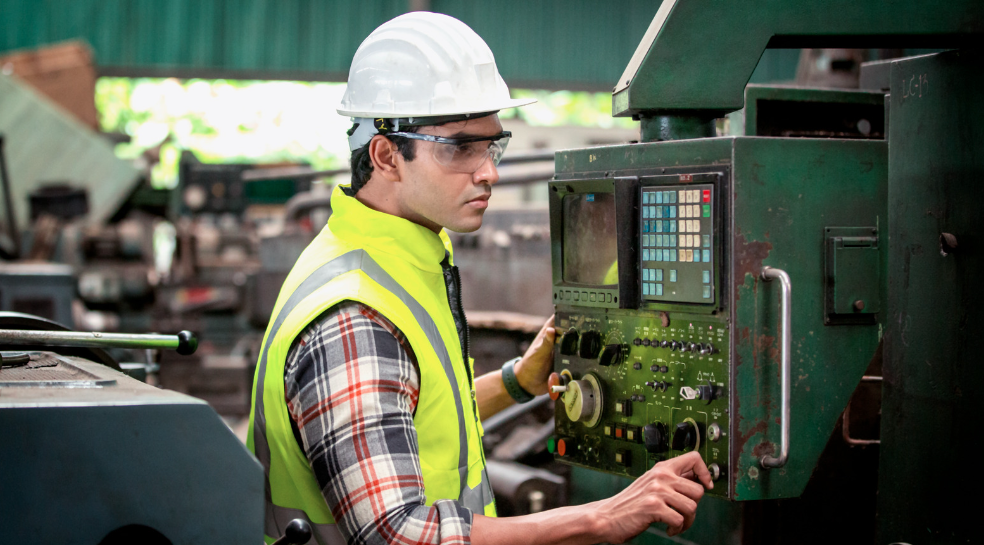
[366,411]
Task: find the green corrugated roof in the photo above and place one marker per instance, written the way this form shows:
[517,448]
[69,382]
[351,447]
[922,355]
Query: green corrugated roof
[544,43]
[44,143]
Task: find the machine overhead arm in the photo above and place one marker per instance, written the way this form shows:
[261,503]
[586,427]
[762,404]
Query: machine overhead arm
[697,56]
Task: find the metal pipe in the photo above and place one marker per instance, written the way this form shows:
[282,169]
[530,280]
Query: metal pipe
[184,342]
[11,218]
[661,128]
[785,324]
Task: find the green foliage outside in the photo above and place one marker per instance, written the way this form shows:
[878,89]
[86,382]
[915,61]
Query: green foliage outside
[273,121]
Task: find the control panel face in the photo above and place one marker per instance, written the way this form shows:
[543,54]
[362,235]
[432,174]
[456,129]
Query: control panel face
[676,253]
[649,380]
[636,393]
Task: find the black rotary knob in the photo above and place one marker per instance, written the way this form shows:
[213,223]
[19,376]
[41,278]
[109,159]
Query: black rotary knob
[655,437]
[685,436]
[568,342]
[590,345]
[611,355]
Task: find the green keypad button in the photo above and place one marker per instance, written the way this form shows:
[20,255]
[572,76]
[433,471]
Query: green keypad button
[707,210]
[707,241]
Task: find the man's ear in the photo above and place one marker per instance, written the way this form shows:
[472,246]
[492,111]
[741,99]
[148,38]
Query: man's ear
[385,157]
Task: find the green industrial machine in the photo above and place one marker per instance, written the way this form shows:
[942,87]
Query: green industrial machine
[726,294]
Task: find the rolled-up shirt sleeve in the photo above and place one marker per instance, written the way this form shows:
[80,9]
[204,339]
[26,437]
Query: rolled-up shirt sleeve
[352,385]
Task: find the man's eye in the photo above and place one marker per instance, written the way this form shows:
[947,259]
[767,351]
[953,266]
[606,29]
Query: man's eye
[471,148]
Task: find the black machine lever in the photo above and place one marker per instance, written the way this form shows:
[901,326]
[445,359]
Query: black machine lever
[297,532]
[184,342]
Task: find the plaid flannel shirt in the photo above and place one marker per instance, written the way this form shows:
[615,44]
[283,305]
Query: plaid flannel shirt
[352,384]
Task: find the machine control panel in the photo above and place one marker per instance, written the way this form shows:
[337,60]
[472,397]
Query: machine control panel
[647,377]
[660,392]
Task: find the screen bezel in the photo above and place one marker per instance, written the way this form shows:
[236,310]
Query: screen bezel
[625,295]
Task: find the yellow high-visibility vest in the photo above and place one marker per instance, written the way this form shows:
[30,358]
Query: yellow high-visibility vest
[394,266]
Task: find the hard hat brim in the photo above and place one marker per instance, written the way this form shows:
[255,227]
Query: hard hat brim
[510,103]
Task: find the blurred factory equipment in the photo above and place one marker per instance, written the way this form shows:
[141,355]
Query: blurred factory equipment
[44,144]
[731,296]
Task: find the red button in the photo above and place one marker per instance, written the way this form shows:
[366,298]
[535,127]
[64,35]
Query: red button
[554,380]
[562,447]
[618,432]
[707,195]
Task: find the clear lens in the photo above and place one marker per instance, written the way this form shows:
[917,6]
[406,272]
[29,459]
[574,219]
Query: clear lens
[469,157]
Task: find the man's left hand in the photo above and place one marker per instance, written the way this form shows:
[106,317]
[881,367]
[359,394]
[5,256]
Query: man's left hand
[534,368]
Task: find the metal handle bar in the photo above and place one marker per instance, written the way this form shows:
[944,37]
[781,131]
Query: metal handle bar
[785,324]
[184,342]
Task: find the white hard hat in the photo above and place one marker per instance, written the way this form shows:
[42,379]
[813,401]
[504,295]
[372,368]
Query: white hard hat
[424,64]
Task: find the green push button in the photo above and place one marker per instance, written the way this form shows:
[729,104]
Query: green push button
[707,210]
[552,444]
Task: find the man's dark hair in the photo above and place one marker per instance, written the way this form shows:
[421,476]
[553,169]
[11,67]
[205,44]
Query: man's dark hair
[362,164]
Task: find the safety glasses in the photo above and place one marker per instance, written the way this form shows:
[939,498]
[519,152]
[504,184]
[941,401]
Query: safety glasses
[466,154]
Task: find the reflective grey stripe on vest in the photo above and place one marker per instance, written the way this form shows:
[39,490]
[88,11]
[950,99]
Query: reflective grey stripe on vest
[472,498]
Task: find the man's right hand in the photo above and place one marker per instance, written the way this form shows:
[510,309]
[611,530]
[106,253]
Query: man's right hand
[666,493]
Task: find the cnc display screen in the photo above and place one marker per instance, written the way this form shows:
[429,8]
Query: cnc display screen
[589,242]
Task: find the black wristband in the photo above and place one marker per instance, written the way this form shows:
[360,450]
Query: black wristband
[512,383]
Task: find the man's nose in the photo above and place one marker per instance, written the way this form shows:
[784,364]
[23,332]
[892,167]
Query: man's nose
[487,173]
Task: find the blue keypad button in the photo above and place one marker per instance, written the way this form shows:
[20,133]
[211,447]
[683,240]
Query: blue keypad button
[707,241]
[645,197]
[666,255]
[673,275]
[659,211]
[673,241]
[659,289]
[696,256]
[706,275]
[658,197]
[673,196]
[707,292]
[645,227]
[659,226]
[706,255]
[645,289]
[673,255]
[672,211]
[673,226]
[659,255]
[659,275]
